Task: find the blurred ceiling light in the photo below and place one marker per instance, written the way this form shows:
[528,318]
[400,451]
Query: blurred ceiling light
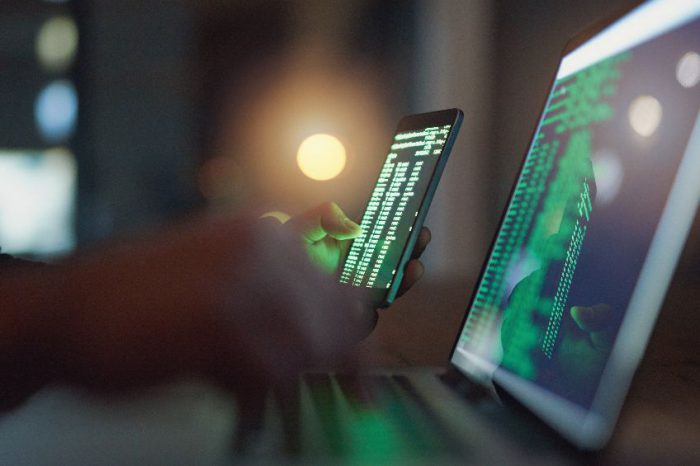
[645,115]
[688,70]
[56,111]
[321,157]
[56,43]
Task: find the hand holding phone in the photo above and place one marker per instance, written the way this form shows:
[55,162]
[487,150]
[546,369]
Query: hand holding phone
[399,203]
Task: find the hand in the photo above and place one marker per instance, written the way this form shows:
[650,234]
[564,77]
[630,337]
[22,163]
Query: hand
[229,299]
[583,342]
[326,233]
[596,323]
[586,343]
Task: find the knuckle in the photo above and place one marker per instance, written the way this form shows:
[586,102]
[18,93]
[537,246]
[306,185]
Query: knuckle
[328,207]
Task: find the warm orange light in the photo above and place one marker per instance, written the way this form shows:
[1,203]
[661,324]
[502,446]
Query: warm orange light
[321,157]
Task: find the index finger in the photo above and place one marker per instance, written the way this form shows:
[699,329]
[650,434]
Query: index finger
[324,220]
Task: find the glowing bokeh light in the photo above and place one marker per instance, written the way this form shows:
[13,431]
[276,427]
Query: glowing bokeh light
[56,43]
[37,200]
[56,111]
[321,157]
[645,115]
[688,70]
[609,175]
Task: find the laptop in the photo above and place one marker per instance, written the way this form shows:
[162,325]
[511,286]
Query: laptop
[571,286]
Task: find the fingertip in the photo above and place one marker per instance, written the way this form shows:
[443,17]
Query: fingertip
[423,239]
[338,225]
[591,318]
[577,314]
[418,268]
[412,273]
[354,230]
[426,235]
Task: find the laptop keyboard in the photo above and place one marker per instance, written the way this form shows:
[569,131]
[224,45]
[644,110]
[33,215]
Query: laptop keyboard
[368,418]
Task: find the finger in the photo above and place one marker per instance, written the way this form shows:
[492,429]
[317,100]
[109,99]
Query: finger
[412,273]
[281,217]
[597,322]
[424,238]
[367,318]
[592,318]
[324,220]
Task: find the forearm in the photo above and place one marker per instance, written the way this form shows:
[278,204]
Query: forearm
[31,310]
[228,298]
[31,304]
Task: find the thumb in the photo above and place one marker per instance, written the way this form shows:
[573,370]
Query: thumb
[324,220]
[593,318]
[597,322]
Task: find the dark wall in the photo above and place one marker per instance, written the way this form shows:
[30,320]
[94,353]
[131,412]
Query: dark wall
[151,76]
[136,130]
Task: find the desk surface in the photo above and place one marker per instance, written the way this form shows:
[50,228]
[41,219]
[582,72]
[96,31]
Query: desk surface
[193,422]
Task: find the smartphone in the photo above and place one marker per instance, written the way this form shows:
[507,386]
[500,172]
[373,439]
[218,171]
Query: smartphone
[399,203]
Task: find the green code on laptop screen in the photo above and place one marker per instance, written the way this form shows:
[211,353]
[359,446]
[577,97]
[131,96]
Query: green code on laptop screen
[583,214]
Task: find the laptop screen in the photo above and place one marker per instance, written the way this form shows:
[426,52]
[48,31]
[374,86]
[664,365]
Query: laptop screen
[595,223]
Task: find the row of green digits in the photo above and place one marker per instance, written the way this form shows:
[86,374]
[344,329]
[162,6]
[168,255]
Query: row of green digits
[532,302]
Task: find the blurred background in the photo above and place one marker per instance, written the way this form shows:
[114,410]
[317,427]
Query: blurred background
[117,117]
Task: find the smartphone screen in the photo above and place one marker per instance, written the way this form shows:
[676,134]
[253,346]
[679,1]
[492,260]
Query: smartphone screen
[399,203]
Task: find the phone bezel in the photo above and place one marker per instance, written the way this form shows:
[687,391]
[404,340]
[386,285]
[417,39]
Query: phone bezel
[383,297]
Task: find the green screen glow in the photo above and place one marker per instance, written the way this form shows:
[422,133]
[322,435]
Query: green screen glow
[524,293]
[391,211]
